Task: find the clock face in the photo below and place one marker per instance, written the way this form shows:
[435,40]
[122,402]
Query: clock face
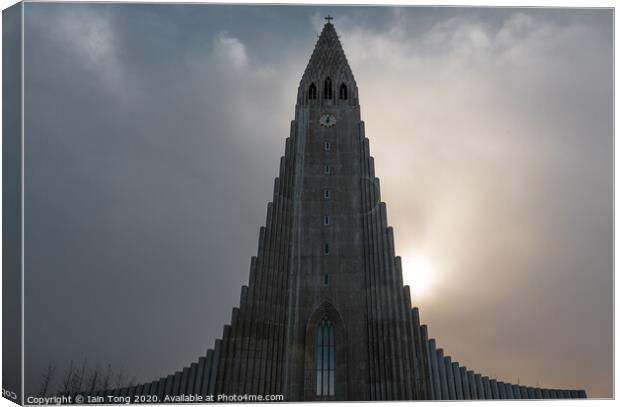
[327,120]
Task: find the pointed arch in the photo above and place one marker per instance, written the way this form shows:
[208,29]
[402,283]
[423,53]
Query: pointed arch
[344,94]
[326,355]
[312,91]
[327,91]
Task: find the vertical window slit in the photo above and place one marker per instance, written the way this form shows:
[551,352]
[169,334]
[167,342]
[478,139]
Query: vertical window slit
[343,92]
[312,92]
[327,91]
[325,359]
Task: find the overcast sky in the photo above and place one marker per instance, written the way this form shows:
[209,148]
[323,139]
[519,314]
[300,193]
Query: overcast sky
[154,132]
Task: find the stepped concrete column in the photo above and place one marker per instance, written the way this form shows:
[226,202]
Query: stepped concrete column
[434,369]
[176,384]
[479,387]
[458,383]
[465,381]
[509,394]
[184,381]
[487,388]
[450,376]
[472,385]
[445,395]
[494,389]
[168,386]
[192,378]
[153,388]
[501,390]
[427,360]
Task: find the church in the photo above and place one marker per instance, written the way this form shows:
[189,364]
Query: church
[325,314]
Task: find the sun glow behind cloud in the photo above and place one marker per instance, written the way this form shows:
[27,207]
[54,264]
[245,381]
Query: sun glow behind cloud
[418,273]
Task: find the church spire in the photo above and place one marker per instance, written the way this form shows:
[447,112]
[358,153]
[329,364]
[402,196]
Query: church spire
[328,62]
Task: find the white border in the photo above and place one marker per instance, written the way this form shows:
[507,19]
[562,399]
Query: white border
[478,3]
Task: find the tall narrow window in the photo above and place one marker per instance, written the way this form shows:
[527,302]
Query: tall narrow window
[343,92]
[327,146]
[326,194]
[327,169]
[312,92]
[326,248]
[325,359]
[326,220]
[327,94]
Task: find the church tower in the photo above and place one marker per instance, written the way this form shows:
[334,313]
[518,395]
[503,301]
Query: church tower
[325,315]
[344,277]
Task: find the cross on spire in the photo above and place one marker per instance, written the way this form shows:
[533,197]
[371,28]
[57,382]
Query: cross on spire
[329,19]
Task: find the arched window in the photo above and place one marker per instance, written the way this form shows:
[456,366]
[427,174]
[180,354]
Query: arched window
[343,92]
[312,92]
[325,359]
[327,94]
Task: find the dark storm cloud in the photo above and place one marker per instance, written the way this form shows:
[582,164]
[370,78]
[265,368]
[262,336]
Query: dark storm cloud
[154,132]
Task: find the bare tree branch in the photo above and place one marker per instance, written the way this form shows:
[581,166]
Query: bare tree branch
[93,382]
[48,378]
[66,383]
[107,379]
